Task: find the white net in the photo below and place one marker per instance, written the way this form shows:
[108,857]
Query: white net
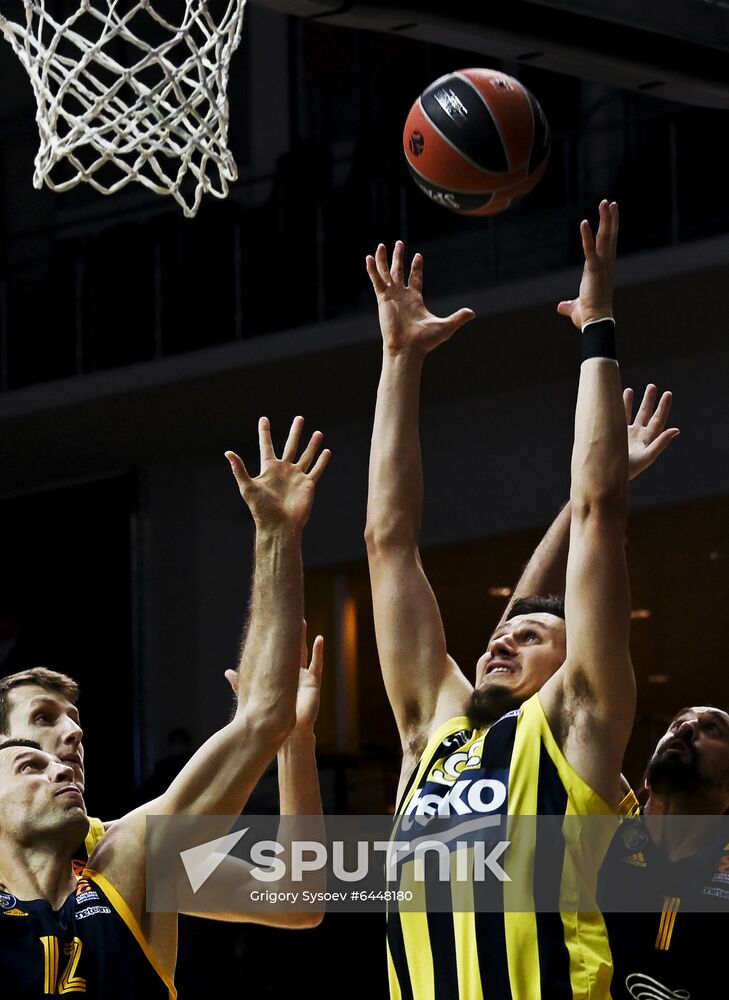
[126,94]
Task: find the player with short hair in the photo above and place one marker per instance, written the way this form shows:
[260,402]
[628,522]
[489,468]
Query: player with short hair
[40,704]
[664,885]
[551,712]
[49,680]
[59,934]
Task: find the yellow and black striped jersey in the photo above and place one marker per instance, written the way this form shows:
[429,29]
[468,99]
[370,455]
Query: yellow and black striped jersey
[513,768]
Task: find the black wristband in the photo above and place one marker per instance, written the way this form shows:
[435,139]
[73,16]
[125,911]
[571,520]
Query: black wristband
[598,340]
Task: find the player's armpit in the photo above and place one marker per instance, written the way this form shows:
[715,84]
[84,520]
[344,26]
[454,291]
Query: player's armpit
[590,701]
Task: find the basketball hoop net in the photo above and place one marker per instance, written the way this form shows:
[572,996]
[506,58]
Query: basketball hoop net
[126,94]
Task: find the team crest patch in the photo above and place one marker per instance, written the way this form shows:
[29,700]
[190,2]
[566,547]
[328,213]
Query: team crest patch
[15,912]
[7,901]
[633,838]
[447,769]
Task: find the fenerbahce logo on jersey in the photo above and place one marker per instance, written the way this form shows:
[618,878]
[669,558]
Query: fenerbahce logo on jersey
[458,784]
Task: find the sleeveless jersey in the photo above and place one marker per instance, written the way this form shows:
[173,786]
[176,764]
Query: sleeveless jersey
[92,947]
[513,768]
[670,953]
[93,837]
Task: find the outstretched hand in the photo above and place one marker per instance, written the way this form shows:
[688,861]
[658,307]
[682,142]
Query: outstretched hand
[595,298]
[282,494]
[307,697]
[405,321]
[648,435]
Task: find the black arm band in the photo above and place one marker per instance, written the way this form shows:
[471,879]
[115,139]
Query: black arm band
[598,340]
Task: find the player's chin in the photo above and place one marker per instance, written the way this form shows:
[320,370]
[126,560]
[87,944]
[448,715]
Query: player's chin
[501,677]
[71,802]
[489,702]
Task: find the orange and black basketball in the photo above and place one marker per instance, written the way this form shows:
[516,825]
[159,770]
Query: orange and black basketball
[475,141]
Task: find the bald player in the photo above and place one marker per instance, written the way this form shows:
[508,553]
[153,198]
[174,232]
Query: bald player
[664,886]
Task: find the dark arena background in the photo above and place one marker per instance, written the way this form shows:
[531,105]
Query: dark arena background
[137,345]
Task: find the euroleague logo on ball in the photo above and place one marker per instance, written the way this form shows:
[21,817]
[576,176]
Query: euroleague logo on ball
[417,141]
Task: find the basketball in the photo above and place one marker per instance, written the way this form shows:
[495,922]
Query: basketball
[475,141]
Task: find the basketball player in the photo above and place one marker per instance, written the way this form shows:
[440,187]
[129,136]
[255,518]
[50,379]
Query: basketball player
[552,710]
[677,867]
[39,704]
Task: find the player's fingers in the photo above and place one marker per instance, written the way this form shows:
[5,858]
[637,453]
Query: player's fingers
[397,269]
[588,243]
[377,283]
[292,441]
[415,280]
[265,444]
[602,237]
[316,663]
[383,268]
[307,455]
[646,406]
[654,449]
[628,398]
[238,468]
[614,227]
[661,413]
[565,307]
[607,231]
[321,464]
[458,319]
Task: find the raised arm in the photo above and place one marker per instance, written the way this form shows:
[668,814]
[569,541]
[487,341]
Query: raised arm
[280,500]
[220,776]
[298,777]
[590,702]
[300,796]
[648,437]
[422,682]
